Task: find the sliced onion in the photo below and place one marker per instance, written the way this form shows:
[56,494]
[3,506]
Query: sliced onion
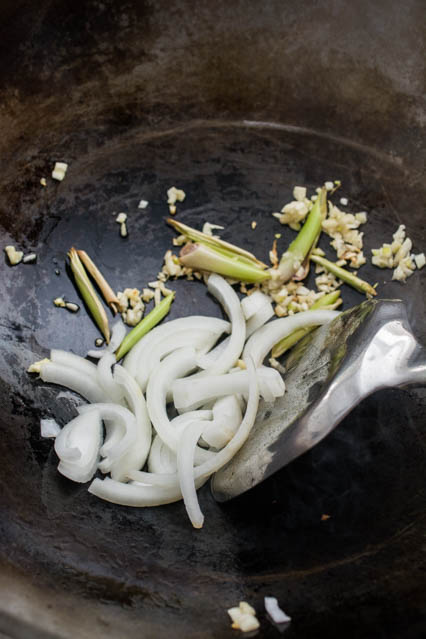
[113,392]
[118,333]
[191,392]
[161,459]
[259,318]
[274,611]
[251,304]
[76,362]
[136,494]
[201,339]
[136,457]
[207,360]
[177,364]
[185,466]
[135,358]
[73,379]
[124,423]
[77,446]
[262,340]
[227,417]
[228,298]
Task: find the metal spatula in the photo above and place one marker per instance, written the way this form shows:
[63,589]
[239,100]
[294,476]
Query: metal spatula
[366,348]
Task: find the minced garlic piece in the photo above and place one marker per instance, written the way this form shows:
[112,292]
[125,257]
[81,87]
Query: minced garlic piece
[420,260]
[294,213]
[59,171]
[244,617]
[253,224]
[133,316]
[147,295]
[13,255]
[175,195]
[36,367]
[397,256]
[28,259]
[171,265]
[43,181]
[299,193]
[121,217]
[60,302]
[143,204]
[209,228]
[172,209]
[329,186]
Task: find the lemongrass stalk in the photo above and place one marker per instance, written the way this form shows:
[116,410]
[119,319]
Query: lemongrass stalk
[328,302]
[344,275]
[88,293]
[206,258]
[144,326]
[296,253]
[220,245]
[109,296]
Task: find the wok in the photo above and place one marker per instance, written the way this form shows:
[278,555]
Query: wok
[235,103]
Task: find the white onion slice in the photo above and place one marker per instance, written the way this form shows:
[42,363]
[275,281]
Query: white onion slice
[191,392]
[135,358]
[251,304]
[274,611]
[185,465]
[113,392]
[201,339]
[73,361]
[73,379]
[49,428]
[177,364]
[124,423]
[259,319]
[262,340]
[161,460]
[227,417]
[118,333]
[154,479]
[77,446]
[207,360]
[136,457]
[229,300]
[136,494]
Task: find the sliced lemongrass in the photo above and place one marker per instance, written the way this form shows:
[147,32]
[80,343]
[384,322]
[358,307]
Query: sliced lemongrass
[136,494]
[118,333]
[88,293]
[109,296]
[330,301]
[136,457]
[296,253]
[84,435]
[201,257]
[185,466]
[264,339]
[192,392]
[144,326]
[198,236]
[345,276]
[76,362]
[134,360]
[73,379]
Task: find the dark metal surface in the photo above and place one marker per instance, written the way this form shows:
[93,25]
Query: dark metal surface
[235,103]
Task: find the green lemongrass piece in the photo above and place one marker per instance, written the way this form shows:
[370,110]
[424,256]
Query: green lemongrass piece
[109,296]
[296,253]
[144,326]
[328,302]
[344,275]
[88,293]
[214,242]
[201,257]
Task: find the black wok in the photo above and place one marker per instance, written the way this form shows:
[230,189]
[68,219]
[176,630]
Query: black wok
[235,102]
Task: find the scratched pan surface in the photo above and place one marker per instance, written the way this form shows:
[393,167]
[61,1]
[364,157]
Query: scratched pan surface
[104,96]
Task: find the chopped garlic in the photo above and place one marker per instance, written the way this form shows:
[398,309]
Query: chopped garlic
[175,195]
[329,186]
[72,306]
[157,296]
[272,608]
[299,193]
[147,295]
[253,224]
[344,201]
[36,367]
[123,230]
[293,213]
[43,181]
[13,255]
[277,236]
[209,228]
[420,260]
[172,209]
[59,171]
[31,257]
[121,218]
[243,617]
[143,204]
[133,316]
[59,301]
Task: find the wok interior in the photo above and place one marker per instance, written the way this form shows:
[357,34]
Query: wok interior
[139,98]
